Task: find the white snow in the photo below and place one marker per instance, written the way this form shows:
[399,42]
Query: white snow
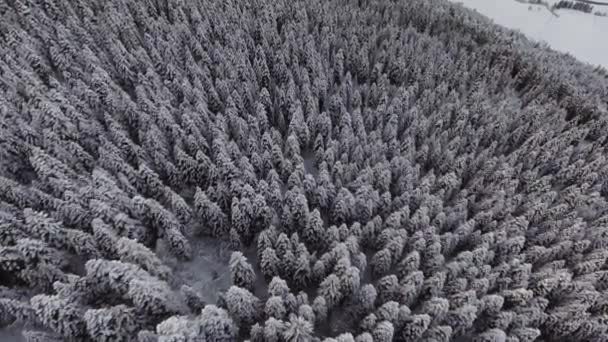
[12,334]
[207,273]
[579,34]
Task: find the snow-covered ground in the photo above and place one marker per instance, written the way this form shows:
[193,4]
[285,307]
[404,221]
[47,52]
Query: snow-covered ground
[12,334]
[580,34]
[207,273]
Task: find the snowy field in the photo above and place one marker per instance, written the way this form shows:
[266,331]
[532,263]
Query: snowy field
[579,34]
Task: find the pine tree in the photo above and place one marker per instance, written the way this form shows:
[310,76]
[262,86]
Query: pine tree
[214,219]
[325,131]
[105,237]
[314,233]
[41,226]
[60,315]
[461,319]
[388,288]
[130,251]
[287,264]
[306,311]
[302,273]
[262,213]
[414,327]
[165,224]
[269,263]
[242,305]
[177,243]
[491,335]
[117,323]
[282,244]
[275,307]
[241,219]
[149,182]
[320,309]
[298,329]
[381,262]
[365,300]
[364,337]
[330,289]
[440,333]
[241,272]
[216,324]
[266,239]
[14,311]
[389,311]
[526,334]
[409,263]
[111,276]
[153,296]
[383,332]
[273,330]
[341,209]
[436,308]
[278,287]
[179,206]
[350,281]
[368,322]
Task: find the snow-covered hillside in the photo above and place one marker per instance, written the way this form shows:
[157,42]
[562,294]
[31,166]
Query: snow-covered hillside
[580,34]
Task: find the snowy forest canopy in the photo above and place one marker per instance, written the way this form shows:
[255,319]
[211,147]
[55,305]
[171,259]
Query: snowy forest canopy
[364,170]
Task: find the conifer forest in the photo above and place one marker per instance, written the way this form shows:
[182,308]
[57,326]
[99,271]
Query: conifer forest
[296,170]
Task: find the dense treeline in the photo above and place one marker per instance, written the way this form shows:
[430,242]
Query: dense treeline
[380,170]
[574,5]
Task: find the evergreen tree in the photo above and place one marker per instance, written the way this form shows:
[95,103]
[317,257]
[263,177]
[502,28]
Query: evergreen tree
[383,331]
[154,297]
[213,218]
[273,330]
[117,323]
[45,228]
[216,325]
[464,162]
[14,311]
[275,307]
[330,289]
[461,318]
[298,329]
[242,305]
[414,327]
[130,251]
[381,262]
[494,335]
[60,315]
[241,272]
[320,309]
[269,263]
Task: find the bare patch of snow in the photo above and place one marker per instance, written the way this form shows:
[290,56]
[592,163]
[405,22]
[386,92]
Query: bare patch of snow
[260,287]
[207,272]
[11,334]
[309,163]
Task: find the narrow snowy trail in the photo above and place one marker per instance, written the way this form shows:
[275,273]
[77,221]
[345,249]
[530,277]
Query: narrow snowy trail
[579,34]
